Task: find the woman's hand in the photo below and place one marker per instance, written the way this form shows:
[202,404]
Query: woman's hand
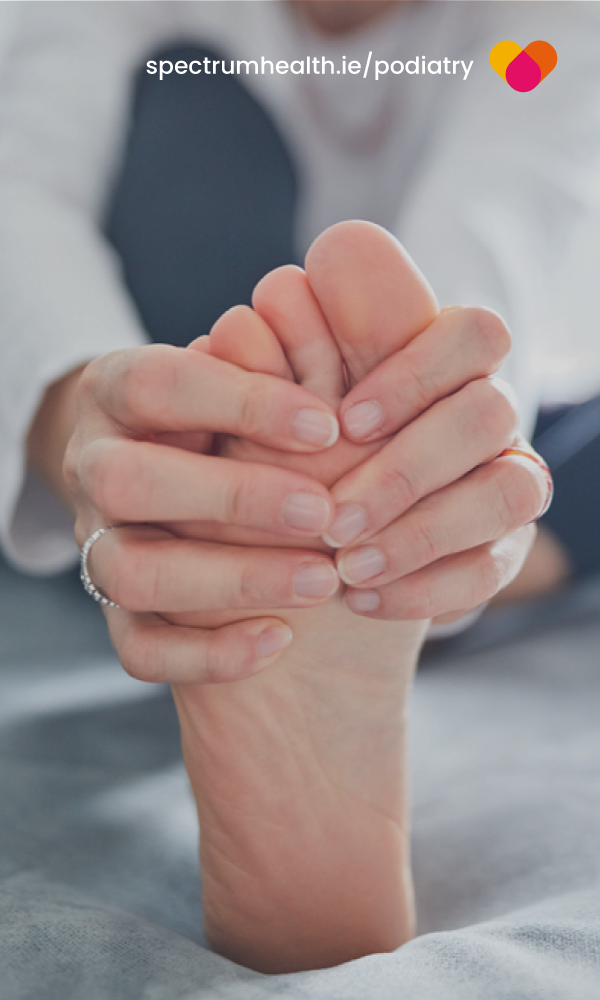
[443,522]
[442,514]
[435,520]
[141,455]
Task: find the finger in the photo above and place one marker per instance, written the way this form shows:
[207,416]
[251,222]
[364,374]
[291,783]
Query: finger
[483,506]
[455,583]
[152,650]
[287,303]
[163,388]
[521,454]
[147,569]
[459,346]
[140,481]
[442,445]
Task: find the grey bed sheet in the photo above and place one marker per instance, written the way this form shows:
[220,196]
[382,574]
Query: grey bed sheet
[99,890]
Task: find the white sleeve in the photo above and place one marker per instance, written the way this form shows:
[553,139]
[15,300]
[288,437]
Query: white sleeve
[510,176]
[63,117]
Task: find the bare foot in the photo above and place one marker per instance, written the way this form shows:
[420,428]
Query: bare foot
[299,772]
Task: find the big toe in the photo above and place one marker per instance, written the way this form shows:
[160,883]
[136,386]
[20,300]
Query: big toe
[373,296]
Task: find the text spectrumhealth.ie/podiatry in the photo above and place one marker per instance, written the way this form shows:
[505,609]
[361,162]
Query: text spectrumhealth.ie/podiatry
[312,65]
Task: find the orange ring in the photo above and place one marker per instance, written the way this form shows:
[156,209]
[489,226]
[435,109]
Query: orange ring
[541,464]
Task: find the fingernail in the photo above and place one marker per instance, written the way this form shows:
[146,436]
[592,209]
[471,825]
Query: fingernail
[272,640]
[316,580]
[305,510]
[361,564]
[349,522]
[362,419]
[362,601]
[315,427]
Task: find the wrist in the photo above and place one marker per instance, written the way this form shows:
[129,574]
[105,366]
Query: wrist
[50,432]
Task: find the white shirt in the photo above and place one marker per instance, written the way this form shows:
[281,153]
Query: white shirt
[484,186]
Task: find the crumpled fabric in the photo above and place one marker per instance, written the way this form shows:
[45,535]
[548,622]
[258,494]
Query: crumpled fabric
[99,880]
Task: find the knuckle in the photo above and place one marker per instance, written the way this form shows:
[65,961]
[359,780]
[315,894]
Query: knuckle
[423,605]
[94,474]
[398,487]
[521,493]
[129,656]
[143,658]
[149,382]
[487,577]
[135,577]
[419,599]
[424,385]
[215,662]
[505,495]
[251,417]
[114,479]
[238,498]
[90,379]
[494,410]
[101,377]
[425,541]
[102,479]
[249,589]
[134,653]
[143,576]
[490,334]
[506,391]
[146,580]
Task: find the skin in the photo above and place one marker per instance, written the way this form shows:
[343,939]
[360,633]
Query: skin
[148,647]
[136,456]
[113,458]
[319,739]
[336,774]
[548,565]
[299,774]
[463,507]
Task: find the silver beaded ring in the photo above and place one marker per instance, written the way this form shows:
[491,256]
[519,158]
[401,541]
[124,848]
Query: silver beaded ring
[85,574]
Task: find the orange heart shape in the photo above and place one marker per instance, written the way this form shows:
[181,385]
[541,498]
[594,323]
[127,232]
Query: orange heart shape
[523,69]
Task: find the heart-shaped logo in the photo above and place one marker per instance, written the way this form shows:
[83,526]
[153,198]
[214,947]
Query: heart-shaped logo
[524,68]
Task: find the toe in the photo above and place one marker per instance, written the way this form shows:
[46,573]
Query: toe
[242,338]
[374,298]
[286,302]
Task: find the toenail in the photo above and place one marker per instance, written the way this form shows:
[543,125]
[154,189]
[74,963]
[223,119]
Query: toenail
[350,521]
[362,419]
[361,564]
[362,601]
[315,427]
[304,510]
[316,580]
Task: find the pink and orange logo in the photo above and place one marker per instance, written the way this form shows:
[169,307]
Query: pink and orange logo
[524,68]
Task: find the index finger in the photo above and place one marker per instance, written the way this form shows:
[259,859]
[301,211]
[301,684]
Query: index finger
[453,437]
[462,344]
[164,388]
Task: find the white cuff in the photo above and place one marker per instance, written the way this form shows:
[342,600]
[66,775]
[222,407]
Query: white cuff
[40,537]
